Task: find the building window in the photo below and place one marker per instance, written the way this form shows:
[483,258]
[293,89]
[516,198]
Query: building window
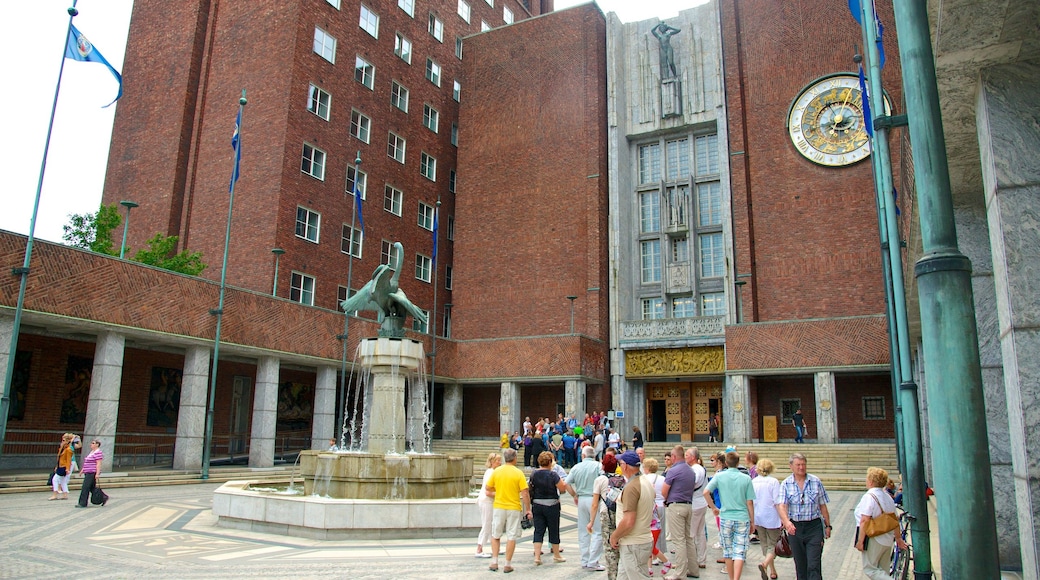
[395,147]
[650,261]
[392,198]
[507,15]
[653,308]
[455,134]
[451,181]
[420,326]
[677,152]
[359,179]
[713,304]
[313,163]
[351,241]
[446,327]
[430,118]
[649,212]
[360,125]
[425,216]
[325,45]
[318,102]
[451,228]
[649,163]
[399,96]
[364,72]
[369,21]
[458,47]
[403,48]
[711,256]
[788,407]
[308,224]
[709,204]
[334,3]
[428,167]
[484,27]
[707,154]
[680,249]
[490,3]
[684,307]
[456,91]
[302,289]
[873,408]
[423,267]
[433,72]
[408,6]
[342,293]
[447,277]
[464,10]
[436,28]
[386,252]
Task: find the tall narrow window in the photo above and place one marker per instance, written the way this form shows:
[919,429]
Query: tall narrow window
[451,228]
[334,3]
[484,27]
[387,252]
[403,48]
[430,118]
[318,102]
[464,10]
[436,28]
[425,216]
[455,134]
[650,261]
[709,204]
[313,163]
[399,96]
[360,125]
[364,72]
[456,91]
[351,241]
[357,178]
[428,166]
[301,289]
[649,212]
[369,21]
[308,224]
[507,15]
[458,47]
[711,255]
[707,154]
[395,147]
[680,249]
[408,6]
[392,199]
[678,163]
[447,277]
[325,45]
[423,267]
[433,72]
[649,163]
[451,180]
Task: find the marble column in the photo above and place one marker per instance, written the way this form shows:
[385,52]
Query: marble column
[323,425]
[191,415]
[574,399]
[103,402]
[509,418]
[826,427]
[451,428]
[736,410]
[1009,137]
[265,413]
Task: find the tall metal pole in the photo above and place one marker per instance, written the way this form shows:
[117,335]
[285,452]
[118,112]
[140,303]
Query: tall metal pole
[129,205]
[219,312]
[277,257]
[572,299]
[23,272]
[346,315]
[910,414]
[956,406]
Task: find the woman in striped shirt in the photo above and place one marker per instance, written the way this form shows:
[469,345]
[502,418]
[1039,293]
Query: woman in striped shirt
[91,472]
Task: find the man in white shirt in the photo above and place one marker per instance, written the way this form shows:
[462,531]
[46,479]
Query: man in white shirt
[699,506]
[597,444]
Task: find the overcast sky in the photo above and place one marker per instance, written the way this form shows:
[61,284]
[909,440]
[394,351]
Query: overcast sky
[33,37]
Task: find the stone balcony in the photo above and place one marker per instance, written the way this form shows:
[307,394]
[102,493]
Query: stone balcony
[670,332]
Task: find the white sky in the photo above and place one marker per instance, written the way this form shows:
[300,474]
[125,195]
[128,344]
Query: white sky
[32,34]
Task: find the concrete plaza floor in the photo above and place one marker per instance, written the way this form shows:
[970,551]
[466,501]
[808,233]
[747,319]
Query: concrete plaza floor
[170,532]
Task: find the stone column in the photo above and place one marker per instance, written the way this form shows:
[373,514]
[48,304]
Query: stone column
[509,418]
[323,425]
[736,410]
[6,330]
[1009,138]
[416,420]
[826,427]
[103,402]
[574,399]
[451,429]
[191,415]
[265,413]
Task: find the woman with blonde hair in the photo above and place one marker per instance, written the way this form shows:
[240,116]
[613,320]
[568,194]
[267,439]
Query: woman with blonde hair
[767,519]
[877,551]
[60,482]
[485,501]
[650,467]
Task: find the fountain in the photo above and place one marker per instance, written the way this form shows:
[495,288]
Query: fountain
[387,484]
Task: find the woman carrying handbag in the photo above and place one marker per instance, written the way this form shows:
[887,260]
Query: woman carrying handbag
[876,510]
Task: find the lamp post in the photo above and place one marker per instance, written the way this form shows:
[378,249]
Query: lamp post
[277,254]
[129,205]
[572,299]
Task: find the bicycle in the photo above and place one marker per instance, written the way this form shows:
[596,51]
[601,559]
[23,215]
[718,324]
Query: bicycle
[901,558]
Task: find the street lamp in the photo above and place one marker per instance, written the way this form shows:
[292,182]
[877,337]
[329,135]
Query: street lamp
[572,299]
[277,254]
[129,205]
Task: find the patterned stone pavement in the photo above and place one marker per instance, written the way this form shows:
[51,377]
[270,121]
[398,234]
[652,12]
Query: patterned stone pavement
[170,532]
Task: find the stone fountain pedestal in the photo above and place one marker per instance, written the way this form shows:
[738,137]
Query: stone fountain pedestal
[390,360]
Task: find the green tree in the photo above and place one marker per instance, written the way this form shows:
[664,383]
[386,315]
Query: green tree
[160,254]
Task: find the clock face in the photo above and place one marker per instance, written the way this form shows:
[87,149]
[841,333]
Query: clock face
[826,122]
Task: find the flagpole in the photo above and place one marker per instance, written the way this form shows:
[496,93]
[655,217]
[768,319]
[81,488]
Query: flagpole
[346,315]
[219,312]
[23,272]
[433,324]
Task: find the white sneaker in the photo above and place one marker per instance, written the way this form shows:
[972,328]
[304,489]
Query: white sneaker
[717,546]
[482,555]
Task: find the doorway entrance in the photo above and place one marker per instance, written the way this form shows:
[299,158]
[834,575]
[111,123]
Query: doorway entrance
[681,411]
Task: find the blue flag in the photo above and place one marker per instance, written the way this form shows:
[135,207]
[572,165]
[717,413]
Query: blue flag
[79,48]
[357,201]
[868,119]
[236,144]
[895,199]
[436,215]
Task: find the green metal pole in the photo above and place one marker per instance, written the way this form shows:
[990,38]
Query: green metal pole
[913,456]
[956,407]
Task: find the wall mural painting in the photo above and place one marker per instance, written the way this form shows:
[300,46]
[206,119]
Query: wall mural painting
[165,397]
[77,389]
[19,385]
[295,405]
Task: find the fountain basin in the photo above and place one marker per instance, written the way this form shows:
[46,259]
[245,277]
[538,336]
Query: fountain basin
[381,477]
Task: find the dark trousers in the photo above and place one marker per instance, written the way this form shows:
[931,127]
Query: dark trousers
[88,486]
[546,517]
[807,549]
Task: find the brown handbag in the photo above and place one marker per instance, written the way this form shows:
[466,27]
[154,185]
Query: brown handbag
[882,524]
[783,545]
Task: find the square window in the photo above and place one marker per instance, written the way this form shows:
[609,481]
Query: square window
[649,212]
[430,118]
[447,277]
[455,134]
[650,261]
[423,267]
[318,102]
[464,10]
[873,408]
[308,224]
[360,125]
[364,72]
[456,91]
[403,48]
[395,145]
[313,162]
[451,181]
[408,6]
[436,28]
[351,241]
[392,199]
[458,47]
[713,304]
[684,307]
[369,21]
[433,72]
[507,15]
[359,179]
[325,45]
[788,407]
[302,289]
[425,216]
[428,167]
[653,308]
[386,251]
[711,258]
[399,96]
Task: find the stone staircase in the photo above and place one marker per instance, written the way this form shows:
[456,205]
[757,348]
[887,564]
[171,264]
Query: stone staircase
[841,467]
[23,481]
